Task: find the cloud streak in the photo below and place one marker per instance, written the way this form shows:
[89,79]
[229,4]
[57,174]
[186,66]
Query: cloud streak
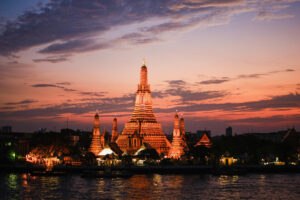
[242,76]
[215,81]
[288,101]
[62,85]
[24,102]
[53,59]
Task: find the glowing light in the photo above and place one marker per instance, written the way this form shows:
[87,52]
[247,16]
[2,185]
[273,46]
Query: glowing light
[228,160]
[12,155]
[106,151]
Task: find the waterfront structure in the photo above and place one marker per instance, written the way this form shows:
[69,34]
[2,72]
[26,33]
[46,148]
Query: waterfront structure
[142,126]
[96,146]
[227,160]
[204,141]
[178,143]
[114,133]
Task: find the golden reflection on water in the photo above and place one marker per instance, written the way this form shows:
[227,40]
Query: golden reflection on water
[100,185]
[139,182]
[226,180]
[157,180]
[12,181]
[176,181]
[141,187]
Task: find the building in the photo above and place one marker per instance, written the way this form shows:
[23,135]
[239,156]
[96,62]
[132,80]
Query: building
[142,126]
[229,131]
[96,146]
[227,160]
[204,141]
[178,143]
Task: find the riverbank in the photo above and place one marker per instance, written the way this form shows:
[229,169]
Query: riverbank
[183,169]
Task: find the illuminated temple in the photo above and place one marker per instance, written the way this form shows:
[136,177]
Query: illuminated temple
[179,146]
[96,145]
[143,127]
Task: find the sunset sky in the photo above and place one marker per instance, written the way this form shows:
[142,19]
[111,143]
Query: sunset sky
[219,63]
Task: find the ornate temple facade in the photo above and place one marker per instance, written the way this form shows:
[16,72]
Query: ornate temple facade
[96,146]
[142,126]
[179,146]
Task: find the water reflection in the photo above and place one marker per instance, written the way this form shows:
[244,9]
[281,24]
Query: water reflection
[12,181]
[157,180]
[22,186]
[225,179]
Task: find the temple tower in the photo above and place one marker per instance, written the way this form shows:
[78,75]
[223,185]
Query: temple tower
[95,146]
[143,102]
[114,133]
[178,144]
[143,121]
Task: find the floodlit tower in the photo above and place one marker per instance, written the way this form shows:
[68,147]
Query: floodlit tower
[143,121]
[178,144]
[95,146]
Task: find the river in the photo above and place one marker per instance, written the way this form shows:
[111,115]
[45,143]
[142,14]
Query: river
[153,186]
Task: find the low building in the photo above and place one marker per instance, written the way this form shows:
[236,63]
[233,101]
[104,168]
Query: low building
[227,160]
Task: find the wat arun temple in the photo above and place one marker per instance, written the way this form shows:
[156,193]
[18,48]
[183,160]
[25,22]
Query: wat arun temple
[143,126]
[142,129]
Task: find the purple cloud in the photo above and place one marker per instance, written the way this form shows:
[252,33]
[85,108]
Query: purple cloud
[73,26]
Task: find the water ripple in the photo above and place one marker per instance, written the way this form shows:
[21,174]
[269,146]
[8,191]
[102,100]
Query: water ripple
[148,187]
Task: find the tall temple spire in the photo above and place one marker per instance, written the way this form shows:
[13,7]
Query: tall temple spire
[144,76]
[95,146]
[114,133]
[96,123]
[143,122]
[178,144]
[143,102]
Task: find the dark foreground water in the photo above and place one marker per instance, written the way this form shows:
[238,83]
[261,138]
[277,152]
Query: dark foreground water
[155,186]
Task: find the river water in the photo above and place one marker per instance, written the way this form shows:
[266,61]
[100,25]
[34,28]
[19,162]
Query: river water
[154,186]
